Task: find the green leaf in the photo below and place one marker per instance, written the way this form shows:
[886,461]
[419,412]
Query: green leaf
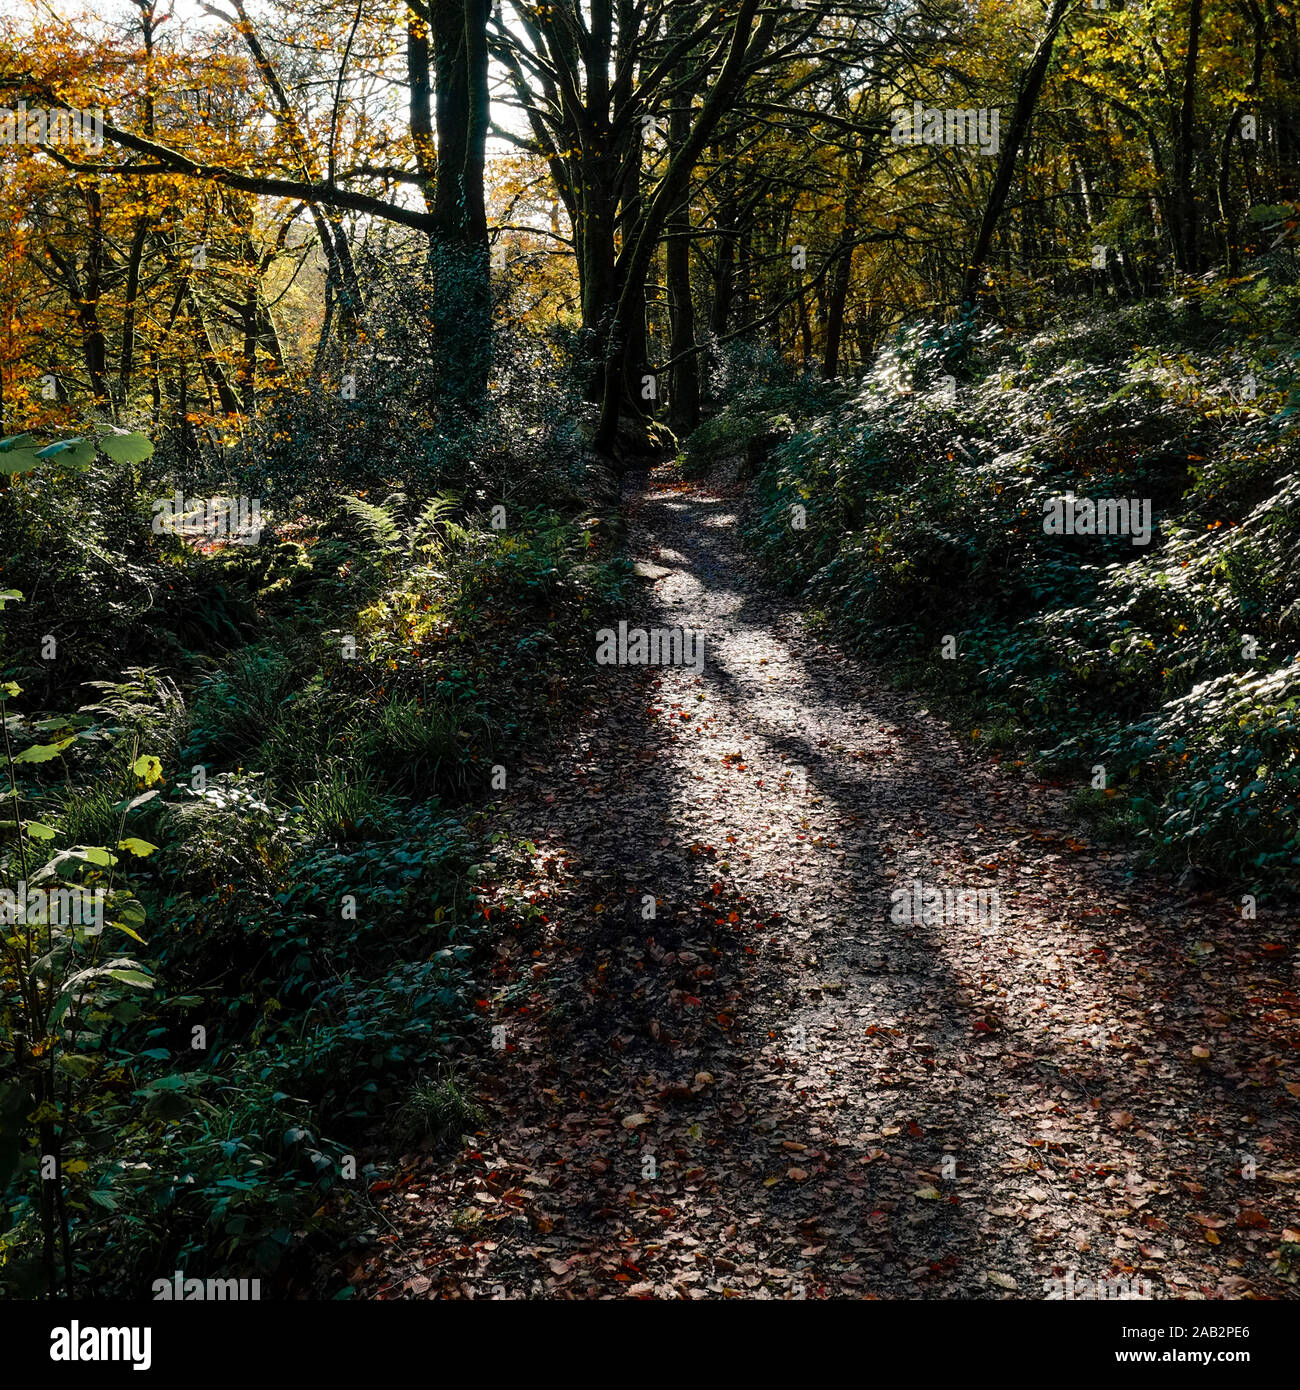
[81,854]
[126,447]
[9,688]
[43,752]
[133,845]
[77,452]
[128,910]
[132,977]
[148,767]
[76,985]
[1269,212]
[74,1064]
[19,461]
[15,441]
[39,831]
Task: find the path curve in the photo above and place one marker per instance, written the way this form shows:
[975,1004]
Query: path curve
[773,1088]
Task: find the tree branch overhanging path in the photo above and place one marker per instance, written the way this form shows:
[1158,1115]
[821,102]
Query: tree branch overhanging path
[591,88]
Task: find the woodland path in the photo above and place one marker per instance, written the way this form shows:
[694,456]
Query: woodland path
[838,1104]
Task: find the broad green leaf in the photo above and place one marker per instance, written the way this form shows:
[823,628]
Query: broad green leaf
[126,448]
[15,441]
[130,910]
[19,461]
[133,845]
[39,831]
[74,451]
[81,854]
[77,985]
[74,1064]
[132,977]
[148,767]
[43,752]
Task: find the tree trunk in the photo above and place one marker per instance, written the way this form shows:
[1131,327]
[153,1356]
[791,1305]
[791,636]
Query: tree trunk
[461,301]
[92,334]
[211,364]
[684,398]
[1021,117]
[836,300]
[130,294]
[1227,214]
[1183,224]
[640,242]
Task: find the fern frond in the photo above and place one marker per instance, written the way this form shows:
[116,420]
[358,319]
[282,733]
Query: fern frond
[377,523]
[435,526]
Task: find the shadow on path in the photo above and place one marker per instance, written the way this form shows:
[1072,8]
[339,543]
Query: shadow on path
[730,1071]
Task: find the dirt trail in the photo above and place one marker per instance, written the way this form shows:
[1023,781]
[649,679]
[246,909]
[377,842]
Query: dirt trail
[837,1103]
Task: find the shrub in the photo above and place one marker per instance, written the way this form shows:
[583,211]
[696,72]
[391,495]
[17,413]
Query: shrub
[1174,664]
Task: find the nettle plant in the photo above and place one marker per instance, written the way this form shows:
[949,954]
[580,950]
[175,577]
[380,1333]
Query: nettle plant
[66,989]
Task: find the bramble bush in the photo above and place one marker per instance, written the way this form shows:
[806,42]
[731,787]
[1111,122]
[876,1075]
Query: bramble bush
[1174,665]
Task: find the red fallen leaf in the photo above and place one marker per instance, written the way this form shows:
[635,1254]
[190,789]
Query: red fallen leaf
[382,1186]
[914,1129]
[982,1027]
[796,1174]
[1248,1217]
[1211,1223]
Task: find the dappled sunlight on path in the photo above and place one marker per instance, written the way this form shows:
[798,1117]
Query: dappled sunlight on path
[773,1086]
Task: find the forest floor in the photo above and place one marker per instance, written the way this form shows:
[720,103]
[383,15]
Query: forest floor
[1096,1080]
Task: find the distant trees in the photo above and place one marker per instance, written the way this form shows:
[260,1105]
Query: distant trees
[621,101]
[717,172]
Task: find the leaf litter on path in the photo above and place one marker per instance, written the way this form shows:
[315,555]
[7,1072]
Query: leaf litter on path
[771,1088]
